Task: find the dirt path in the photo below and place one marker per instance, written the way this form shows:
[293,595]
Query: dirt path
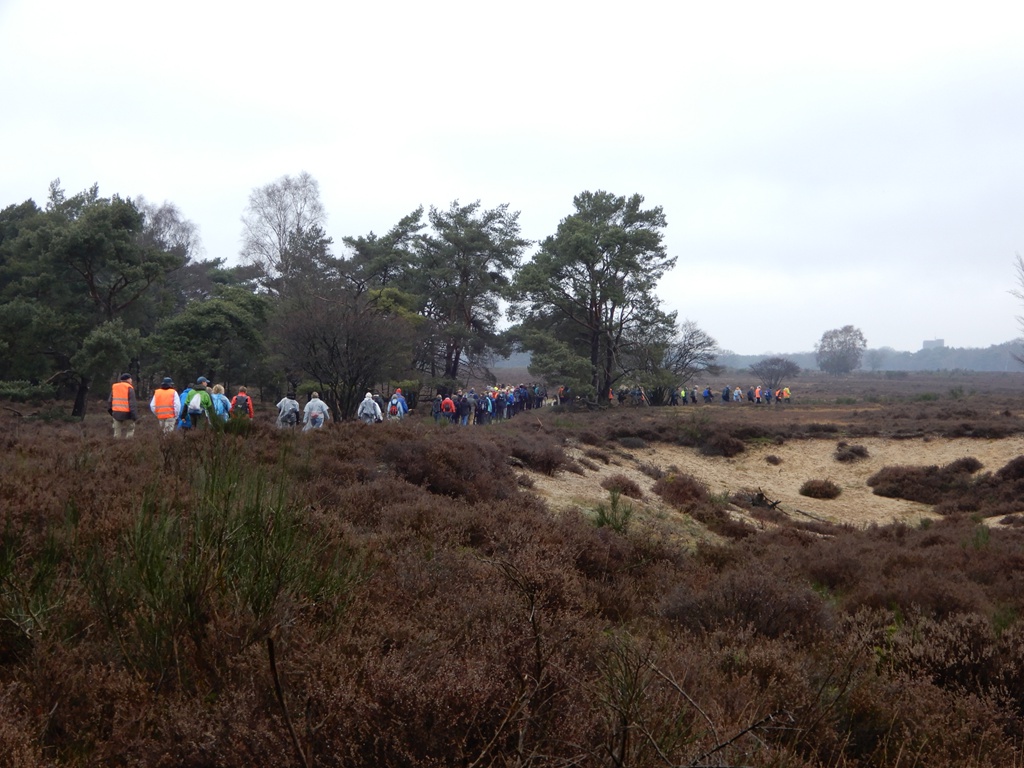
[801,460]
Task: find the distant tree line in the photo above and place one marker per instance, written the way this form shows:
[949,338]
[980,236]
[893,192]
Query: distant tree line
[997,357]
[93,286]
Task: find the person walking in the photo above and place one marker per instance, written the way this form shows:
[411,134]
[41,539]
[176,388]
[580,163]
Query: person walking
[397,407]
[166,405]
[121,407]
[448,408]
[287,411]
[241,405]
[221,404]
[199,404]
[368,411]
[315,414]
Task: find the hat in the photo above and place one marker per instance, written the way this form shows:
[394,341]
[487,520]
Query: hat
[369,395]
[398,391]
[168,381]
[125,376]
[202,380]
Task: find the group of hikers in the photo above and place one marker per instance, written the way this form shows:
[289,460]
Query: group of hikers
[199,406]
[463,408]
[756,395]
[491,404]
[679,395]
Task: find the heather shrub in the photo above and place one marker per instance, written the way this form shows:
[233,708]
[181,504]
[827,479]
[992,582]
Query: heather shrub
[849,453]
[540,453]
[448,464]
[622,485]
[720,443]
[928,485]
[755,599]
[1012,471]
[720,521]
[141,582]
[820,489]
[652,471]
[822,429]
[681,491]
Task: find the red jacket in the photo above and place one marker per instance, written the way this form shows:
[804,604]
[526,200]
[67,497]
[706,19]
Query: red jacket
[248,401]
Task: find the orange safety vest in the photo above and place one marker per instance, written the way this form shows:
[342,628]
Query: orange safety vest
[119,397]
[163,403]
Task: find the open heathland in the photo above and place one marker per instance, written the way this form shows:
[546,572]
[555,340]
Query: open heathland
[628,587]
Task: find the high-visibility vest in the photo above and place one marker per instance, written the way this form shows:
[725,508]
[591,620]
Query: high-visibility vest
[163,403]
[119,397]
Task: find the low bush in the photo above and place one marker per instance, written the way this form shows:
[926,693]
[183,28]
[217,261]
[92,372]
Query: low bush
[820,489]
[448,465]
[652,471]
[927,485]
[681,491]
[538,452]
[847,453]
[620,484]
[720,443]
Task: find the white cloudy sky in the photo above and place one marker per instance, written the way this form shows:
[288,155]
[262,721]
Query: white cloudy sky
[819,164]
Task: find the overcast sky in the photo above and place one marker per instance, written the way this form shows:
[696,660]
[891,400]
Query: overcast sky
[818,166]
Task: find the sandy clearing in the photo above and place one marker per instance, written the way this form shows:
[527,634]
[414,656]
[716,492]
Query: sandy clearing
[801,460]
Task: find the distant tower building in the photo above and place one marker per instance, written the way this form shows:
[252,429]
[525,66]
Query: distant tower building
[933,344]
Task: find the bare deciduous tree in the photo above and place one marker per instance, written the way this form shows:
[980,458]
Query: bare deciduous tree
[773,371]
[692,351]
[275,213]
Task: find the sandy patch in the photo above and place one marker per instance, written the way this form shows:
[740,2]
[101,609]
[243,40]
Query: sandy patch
[801,460]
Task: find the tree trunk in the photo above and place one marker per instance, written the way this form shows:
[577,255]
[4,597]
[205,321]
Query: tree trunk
[83,390]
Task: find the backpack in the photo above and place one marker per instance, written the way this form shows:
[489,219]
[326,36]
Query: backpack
[241,405]
[393,407]
[183,413]
[195,404]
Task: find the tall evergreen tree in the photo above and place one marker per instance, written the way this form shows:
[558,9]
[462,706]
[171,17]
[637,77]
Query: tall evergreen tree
[463,267]
[73,274]
[591,285]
